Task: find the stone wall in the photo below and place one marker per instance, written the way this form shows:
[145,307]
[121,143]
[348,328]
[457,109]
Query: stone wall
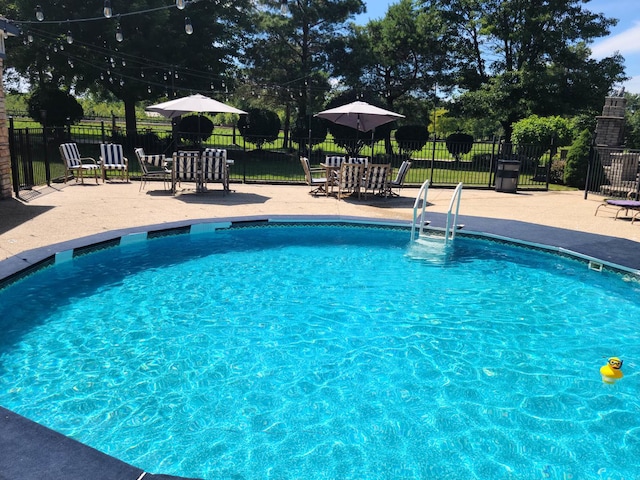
[5,154]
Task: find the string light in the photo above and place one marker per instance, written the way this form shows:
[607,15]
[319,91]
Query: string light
[69,36]
[188,28]
[107,11]
[180,4]
[119,35]
[39,13]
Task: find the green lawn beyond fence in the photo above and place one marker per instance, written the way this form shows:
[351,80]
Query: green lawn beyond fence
[36,159]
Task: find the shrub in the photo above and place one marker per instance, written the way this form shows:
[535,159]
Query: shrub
[259,126]
[459,144]
[411,138]
[60,107]
[575,171]
[540,131]
[195,128]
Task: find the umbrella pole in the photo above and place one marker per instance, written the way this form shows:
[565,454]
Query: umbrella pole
[372,135]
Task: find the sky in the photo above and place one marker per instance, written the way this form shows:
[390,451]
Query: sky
[624,37]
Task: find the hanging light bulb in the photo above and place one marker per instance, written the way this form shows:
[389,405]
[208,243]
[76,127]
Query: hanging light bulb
[188,28]
[149,89]
[119,35]
[70,63]
[180,4]
[284,8]
[69,37]
[107,11]
[124,63]
[141,73]
[39,13]
[29,38]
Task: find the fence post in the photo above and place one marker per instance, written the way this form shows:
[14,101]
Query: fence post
[590,166]
[102,134]
[45,143]
[15,178]
[492,162]
[433,158]
[551,151]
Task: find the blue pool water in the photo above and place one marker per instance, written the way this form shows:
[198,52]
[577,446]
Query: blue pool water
[329,352]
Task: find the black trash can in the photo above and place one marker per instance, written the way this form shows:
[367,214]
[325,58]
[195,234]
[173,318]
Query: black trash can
[507,176]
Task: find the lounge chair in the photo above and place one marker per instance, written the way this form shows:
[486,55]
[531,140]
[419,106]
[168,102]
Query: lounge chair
[621,205]
[74,163]
[187,166]
[376,179]
[214,168]
[153,167]
[398,182]
[317,184]
[349,179]
[112,158]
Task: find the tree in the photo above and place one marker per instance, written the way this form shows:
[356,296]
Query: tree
[517,58]
[54,107]
[575,170]
[259,126]
[155,58]
[632,127]
[543,132]
[291,51]
[403,54]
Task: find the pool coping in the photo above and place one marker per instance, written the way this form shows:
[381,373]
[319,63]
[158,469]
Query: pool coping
[33,451]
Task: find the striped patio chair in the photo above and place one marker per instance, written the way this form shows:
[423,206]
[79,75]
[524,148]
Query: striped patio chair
[112,158]
[361,160]
[376,179]
[215,168]
[350,179]
[153,167]
[186,167]
[74,163]
[333,161]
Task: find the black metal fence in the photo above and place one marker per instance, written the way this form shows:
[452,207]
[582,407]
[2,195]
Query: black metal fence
[36,160]
[614,172]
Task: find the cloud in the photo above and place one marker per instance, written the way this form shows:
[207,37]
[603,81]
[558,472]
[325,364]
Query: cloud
[632,85]
[627,42]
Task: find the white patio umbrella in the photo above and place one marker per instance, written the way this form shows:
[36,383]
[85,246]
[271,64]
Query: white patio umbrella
[362,116]
[359,115]
[193,103]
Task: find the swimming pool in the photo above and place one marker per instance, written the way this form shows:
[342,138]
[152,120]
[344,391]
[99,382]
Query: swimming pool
[329,352]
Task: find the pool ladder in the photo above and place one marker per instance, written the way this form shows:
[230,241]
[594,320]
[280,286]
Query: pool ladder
[420,222]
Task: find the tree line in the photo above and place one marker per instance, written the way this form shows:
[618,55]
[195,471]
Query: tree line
[488,64]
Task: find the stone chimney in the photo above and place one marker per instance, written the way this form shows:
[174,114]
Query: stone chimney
[610,126]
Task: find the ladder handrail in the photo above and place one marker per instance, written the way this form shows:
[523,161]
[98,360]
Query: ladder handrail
[449,229]
[424,189]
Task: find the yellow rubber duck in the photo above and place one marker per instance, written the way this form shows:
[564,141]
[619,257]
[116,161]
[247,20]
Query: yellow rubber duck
[611,372]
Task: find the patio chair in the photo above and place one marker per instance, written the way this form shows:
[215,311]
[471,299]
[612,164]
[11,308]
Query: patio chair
[74,163]
[398,182]
[317,184]
[362,160]
[349,179]
[621,205]
[333,160]
[153,167]
[215,168]
[376,179]
[186,167]
[112,158]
